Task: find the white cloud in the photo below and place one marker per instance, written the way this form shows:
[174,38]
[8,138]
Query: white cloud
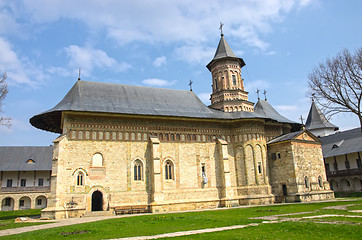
[158,82]
[187,21]
[159,61]
[19,71]
[16,124]
[89,58]
[258,84]
[194,53]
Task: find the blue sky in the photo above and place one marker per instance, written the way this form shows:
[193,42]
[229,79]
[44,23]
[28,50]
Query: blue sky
[163,43]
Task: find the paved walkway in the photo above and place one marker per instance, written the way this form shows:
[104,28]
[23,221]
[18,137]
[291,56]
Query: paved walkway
[187,233]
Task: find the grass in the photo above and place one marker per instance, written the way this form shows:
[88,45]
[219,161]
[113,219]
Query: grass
[7,218]
[166,223]
[285,230]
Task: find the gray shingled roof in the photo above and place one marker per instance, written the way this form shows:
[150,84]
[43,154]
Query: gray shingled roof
[264,108]
[344,142]
[317,120]
[224,51]
[15,158]
[136,100]
[285,137]
[290,136]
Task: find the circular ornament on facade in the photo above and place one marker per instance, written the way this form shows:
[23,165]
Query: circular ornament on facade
[305,136]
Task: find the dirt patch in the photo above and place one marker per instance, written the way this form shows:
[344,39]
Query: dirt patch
[73,233]
[340,207]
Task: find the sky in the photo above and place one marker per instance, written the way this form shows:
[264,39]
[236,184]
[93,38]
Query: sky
[162,43]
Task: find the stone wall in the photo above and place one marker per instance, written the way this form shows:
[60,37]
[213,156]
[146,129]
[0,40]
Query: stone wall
[104,152]
[298,165]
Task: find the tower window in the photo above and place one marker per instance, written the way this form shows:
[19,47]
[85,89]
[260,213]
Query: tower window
[234,79]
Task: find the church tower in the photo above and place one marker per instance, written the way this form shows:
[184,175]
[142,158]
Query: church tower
[228,92]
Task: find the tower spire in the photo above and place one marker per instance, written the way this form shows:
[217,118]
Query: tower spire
[228,92]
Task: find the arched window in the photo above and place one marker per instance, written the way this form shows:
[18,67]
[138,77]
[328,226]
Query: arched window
[80,179]
[138,170]
[97,160]
[306,182]
[320,181]
[193,137]
[234,79]
[169,170]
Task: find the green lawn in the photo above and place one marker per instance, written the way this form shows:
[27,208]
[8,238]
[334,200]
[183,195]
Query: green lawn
[7,218]
[165,223]
[285,230]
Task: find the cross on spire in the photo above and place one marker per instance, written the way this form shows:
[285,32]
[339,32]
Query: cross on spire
[190,84]
[265,94]
[301,119]
[257,92]
[313,97]
[221,25]
[79,75]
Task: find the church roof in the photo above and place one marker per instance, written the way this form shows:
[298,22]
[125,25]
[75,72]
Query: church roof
[291,136]
[342,143]
[224,51]
[26,158]
[317,120]
[264,108]
[114,98]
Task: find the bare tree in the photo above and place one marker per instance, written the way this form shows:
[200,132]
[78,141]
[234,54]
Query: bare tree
[3,91]
[337,84]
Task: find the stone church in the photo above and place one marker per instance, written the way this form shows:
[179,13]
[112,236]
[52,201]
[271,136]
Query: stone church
[123,145]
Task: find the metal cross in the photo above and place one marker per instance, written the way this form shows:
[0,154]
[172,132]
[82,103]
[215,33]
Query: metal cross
[301,119]
[257,92]
[79,75]
[313,97]
[190,84]
[265,94]
[221,24]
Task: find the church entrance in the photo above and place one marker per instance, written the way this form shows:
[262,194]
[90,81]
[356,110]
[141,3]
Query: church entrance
[97,201]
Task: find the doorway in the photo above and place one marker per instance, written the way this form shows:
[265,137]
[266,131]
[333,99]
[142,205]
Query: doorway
[97,201]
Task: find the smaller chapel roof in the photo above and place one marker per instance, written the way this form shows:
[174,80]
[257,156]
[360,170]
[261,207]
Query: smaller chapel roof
[292,135]
[341,143]
[317,120]
[262,107]
[26,158]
